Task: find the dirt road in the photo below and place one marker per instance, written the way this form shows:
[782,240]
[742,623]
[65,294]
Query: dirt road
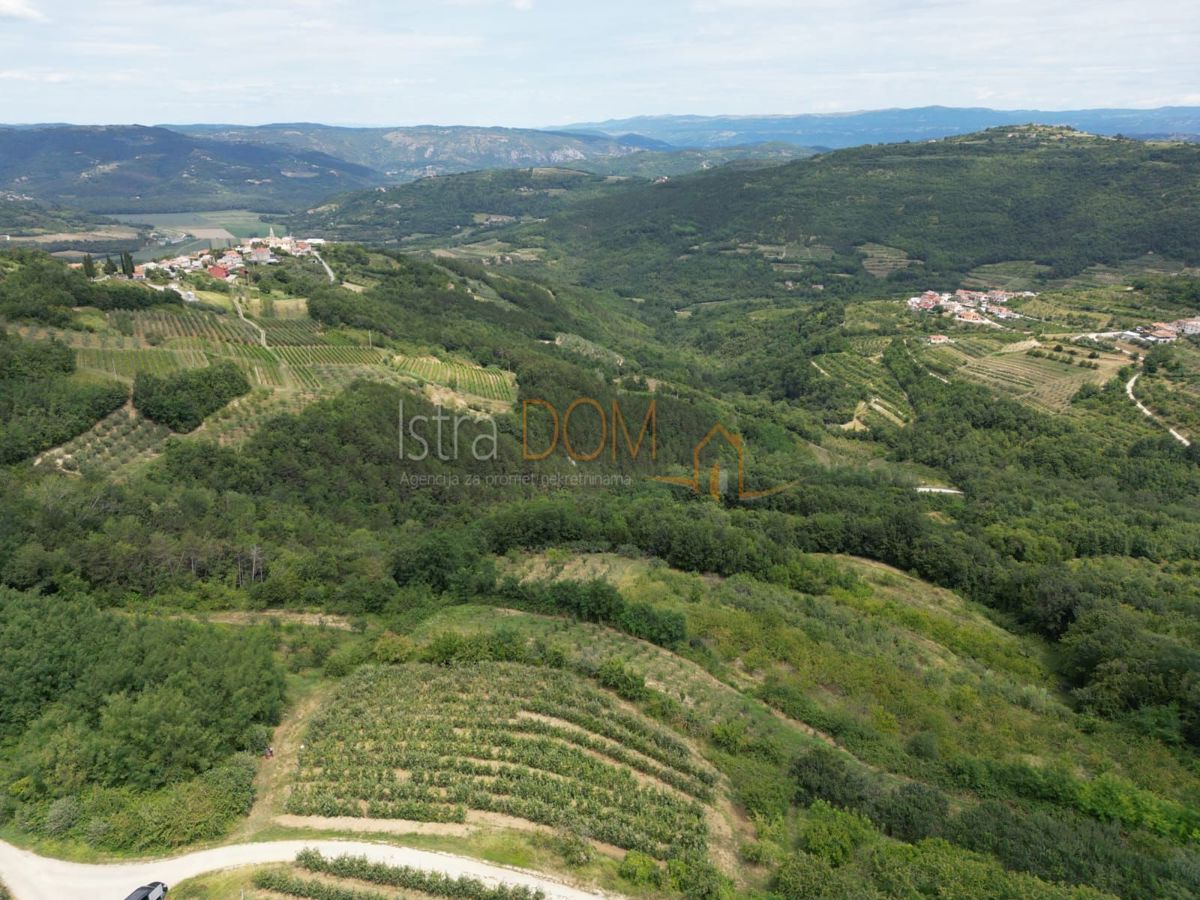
[1129,390]
[32,877]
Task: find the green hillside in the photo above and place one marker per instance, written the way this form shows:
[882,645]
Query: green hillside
[1059,198]
[451,205]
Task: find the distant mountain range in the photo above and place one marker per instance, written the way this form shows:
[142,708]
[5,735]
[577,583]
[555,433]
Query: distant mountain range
[287,168]
[132,168]
[404,154]
[838,130]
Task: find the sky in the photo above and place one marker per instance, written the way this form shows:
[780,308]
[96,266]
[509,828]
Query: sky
[536,63]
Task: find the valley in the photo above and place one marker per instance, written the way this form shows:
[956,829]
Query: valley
[823,587]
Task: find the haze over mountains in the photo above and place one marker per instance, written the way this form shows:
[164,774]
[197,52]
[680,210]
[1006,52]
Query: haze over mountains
[882,126]
[132,168]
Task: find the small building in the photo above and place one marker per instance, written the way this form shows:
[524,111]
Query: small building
[938,339]
[218,272]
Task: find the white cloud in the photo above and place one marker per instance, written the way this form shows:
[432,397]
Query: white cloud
[20,9]
[34,76]
[393,62]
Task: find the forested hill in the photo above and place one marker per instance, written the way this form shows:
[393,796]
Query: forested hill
[451,203]
[1052,195]
[130,168]
[20,216]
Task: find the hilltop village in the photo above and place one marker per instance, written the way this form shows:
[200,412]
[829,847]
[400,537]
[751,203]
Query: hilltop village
[971,307]
[986,307]
[225,265]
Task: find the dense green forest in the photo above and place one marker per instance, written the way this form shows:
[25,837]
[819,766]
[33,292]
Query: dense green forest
[1065,200]
[183,400]
[989,689]
[445,205]
[41,404]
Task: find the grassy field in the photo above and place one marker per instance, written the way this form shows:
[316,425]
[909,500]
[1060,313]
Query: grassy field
[237,223]
[432,744]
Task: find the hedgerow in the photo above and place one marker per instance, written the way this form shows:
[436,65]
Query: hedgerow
[408,878]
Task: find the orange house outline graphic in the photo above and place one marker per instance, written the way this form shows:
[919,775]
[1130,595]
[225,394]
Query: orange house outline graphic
[714,473]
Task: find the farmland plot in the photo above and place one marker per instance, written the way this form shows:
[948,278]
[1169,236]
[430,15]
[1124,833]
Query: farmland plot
[234,423]
[115,442]
[1044,381]
[490,384]
[291,331]
[430,743]
[128,363]
[162,325]
[871,377]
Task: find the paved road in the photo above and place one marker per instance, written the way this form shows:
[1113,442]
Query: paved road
[1129,390]
[32,877]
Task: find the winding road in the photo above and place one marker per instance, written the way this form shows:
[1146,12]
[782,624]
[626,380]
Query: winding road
[32,877]
[1129,390]
[328,271]
[262,334]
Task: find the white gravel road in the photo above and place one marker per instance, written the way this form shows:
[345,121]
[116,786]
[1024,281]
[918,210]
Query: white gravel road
[32,877]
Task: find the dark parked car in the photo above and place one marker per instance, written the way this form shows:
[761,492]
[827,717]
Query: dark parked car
[155,890]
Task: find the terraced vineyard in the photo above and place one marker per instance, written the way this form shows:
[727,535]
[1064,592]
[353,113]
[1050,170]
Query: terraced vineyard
[432,743]
[162,325]
[871,377]
[337,377]
[128,363]
[881,260]
[490,384]
[240,419]
[120,439]
[259,364]
[358,872]
[291,331]
[76,338]
[1044,381]
[335,356]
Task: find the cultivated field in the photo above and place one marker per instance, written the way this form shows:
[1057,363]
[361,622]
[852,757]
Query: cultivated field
[490,384]
[120,439]
[881,260]
[1047,382]
[528,745]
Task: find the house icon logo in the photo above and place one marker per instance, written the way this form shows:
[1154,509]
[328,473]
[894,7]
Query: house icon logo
[716,477]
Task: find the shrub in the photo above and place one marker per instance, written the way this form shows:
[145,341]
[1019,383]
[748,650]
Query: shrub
[640,869]
[403,877]
[826,774]
[833,835]
[614,675]
[912,812]
[803,876]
